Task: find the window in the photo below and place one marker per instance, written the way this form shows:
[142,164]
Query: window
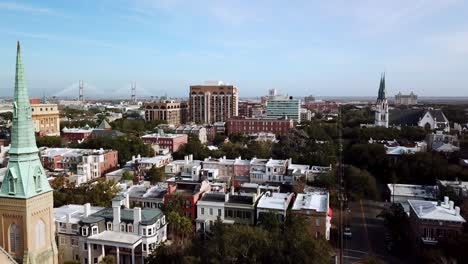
[74,242]
[95,261]
[85,246]
[40,233]
[158,224]
[94,230]
[63,241]
[219,212]
[11,185]
[211,211]
[163,220]
[144,231]
[122,227]
[74,227]
[202,210]
[84,231]
[150,231]
[144,247]
[130,228]
[109,226]
[95,246]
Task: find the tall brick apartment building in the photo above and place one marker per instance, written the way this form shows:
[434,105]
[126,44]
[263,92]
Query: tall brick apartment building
[213,102]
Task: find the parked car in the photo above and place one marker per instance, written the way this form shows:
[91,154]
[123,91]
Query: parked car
[347,232]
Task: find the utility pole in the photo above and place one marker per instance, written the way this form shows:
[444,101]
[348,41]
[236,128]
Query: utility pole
[341,194]
[81,86]
[133,98]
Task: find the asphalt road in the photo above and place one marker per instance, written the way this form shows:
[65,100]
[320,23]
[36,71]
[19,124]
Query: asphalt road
[368,232]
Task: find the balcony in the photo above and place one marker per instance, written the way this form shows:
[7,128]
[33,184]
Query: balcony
[429,241]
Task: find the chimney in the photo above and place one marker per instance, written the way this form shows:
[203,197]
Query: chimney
[191,157]
[446,200]
[420,210]
[232,190]
[69,217]
[186,158]
[451,205]
[136,219]
[139,156]
[87,209]
[226,197]
[133,158]
[457,210]
[116,216]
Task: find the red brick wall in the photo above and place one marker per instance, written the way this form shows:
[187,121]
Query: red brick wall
[247,126]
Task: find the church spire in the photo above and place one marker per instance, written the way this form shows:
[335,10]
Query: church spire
[382,95]
[25,176]
[23,140]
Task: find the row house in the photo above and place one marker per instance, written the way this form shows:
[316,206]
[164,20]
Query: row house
[81,165]
[172,142]
[229,208]
[277,203]
[238,171]
[314,206]
[197,131]
[146,196]
[187,169]
[432,222]
[87,234]
[77,134]
[267,170]
[190,192]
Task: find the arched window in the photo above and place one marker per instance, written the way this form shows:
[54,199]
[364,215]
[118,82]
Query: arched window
[40,230]
[15,239]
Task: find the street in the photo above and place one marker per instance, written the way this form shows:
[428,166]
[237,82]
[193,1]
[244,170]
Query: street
[368,232]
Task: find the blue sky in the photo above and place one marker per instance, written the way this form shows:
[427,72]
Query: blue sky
[324,48]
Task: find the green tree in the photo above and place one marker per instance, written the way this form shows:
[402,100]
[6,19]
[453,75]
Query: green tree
[109,259]
[156,175]
[397,223]
[127,176]
[360,184]
[51,142]
[127,146]
[98,193]
[194,147]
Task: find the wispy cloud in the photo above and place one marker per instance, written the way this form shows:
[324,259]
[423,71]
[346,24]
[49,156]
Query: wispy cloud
[12,6]
[52,37]
[377,17]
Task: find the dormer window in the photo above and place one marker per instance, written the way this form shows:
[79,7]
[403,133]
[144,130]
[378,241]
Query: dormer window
[122,227]
[163,220]
[37,179]
[158,224]
[109,226]
[11,186]
[130,228]
[84,231]
[94,230]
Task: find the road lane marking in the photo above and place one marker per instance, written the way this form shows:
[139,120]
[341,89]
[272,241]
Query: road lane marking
[365,227]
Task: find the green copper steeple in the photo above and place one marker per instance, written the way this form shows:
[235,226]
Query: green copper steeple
[382,95]
[25,176]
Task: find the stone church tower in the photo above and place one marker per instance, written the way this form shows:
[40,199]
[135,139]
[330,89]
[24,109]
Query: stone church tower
[381,107]
[27,230]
